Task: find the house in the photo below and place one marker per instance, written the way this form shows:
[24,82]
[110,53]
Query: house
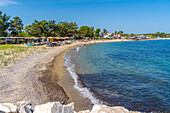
[102,34]
[105,35]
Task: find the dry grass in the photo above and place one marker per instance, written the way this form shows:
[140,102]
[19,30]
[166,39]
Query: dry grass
[11,53]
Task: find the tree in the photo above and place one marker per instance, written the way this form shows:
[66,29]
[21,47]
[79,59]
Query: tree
[16,26]
[157,34]
[72,27]
[115,32]
[91,32]
[4,24]
[132,34]
[120,32]
[63,28]
[104,30]
[86,31]
[97,32]
[163,35]
[125,35]
[29,29]
[33,30]
[43,27]
[112,35]
[77,34]
[23,34]
[67,29]
[38,29]
[53,28]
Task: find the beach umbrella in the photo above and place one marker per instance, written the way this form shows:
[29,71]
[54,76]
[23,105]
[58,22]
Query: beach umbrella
[35,37]
[66,37]
[28,38]
[57,37]
[32,37]
[61,38]
[50,37]
[47,41]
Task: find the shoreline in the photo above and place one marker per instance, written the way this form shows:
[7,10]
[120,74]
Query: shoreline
[81,102]
[67,82]
[43,78]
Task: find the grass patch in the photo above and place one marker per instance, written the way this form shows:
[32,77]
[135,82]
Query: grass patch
[6,53]
[5,62]
[44,48]
[11,52]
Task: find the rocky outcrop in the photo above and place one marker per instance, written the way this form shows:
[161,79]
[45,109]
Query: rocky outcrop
[25,109]
[53,107]
[68,108]
[56,107]
[7,108]
[107,109]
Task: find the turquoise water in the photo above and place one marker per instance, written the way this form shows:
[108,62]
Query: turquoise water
[135,75]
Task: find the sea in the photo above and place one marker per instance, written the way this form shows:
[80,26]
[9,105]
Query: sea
[134,74]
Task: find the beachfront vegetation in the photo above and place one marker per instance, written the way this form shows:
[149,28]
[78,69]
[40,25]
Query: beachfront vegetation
[97,32]
[120,32]
[4,24]
[11,52]
[86,31]
[52,28]
[104,30]
[15,26]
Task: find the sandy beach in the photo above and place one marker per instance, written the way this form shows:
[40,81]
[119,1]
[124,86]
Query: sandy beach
[43,78]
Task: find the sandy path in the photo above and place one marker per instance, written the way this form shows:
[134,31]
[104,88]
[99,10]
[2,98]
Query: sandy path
[17,80]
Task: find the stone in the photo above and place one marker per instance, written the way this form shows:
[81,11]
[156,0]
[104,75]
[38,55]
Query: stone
[7,108]
[25,109]
[21,103]
[68,108]
[107,109]
[51,107]
[86,111]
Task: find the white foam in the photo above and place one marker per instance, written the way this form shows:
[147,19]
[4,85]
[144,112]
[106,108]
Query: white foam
[84,91]
[78,48]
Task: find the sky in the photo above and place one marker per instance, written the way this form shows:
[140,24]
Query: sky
[131,16]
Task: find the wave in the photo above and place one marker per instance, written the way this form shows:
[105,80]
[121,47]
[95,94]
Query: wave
[83,90]
[78,48]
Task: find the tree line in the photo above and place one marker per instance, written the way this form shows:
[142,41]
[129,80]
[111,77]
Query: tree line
[152,35]
[14,28]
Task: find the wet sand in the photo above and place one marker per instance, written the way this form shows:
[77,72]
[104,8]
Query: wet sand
[67,82]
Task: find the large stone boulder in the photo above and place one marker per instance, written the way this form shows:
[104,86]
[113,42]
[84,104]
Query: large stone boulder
[57,107]
[54,107]
[24,102]
[86,111]
[8,108]
[50,107]
[25,109]
[107,109]
[68,108]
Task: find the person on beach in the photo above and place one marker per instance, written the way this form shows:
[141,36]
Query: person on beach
[84,47]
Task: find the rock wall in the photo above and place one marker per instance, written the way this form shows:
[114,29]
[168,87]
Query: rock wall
[57,107]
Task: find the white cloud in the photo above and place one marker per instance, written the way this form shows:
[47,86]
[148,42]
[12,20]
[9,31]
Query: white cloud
[7,2]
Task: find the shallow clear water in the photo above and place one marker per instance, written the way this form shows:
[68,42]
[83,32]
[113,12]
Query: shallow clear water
[135,75]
